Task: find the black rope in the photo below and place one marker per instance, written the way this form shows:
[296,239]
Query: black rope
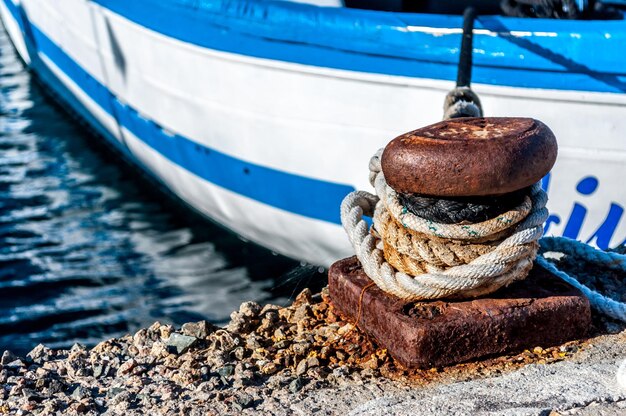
[555,9]
[461,209]
[464,74]
[560,9]
[462,101]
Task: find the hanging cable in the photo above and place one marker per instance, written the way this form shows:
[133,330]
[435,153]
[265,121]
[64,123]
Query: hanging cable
[462,101]
[464,74]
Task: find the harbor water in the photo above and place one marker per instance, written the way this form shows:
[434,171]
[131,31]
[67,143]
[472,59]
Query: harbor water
[90,250]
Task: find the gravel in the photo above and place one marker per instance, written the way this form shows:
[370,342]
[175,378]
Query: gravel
[300,359]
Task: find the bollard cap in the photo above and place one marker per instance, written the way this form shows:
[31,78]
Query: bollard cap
[470,157]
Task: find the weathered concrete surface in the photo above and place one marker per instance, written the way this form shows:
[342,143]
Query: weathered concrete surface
[584,385]
[541,310]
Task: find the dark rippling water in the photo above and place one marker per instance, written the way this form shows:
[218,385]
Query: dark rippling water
[86,252]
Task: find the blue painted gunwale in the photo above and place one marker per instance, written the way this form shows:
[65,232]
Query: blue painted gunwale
[293,193]
[529,53]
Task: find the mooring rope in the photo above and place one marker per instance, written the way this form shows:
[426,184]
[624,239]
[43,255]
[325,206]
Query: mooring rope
[418,259]
[450,210]
[462,101]
[588,254]
[502,247]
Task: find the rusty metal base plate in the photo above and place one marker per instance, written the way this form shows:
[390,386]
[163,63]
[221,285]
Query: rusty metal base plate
[542,310]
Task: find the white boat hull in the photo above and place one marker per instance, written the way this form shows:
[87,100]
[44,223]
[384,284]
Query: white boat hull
[299,123]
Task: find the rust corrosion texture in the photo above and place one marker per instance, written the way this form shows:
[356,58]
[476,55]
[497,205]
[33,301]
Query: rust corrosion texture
[540,311]
[470,157]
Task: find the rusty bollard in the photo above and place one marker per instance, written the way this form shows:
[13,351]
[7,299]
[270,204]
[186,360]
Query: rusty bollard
[478,168]
[470,157]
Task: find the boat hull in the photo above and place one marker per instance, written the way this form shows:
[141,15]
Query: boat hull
[269,147]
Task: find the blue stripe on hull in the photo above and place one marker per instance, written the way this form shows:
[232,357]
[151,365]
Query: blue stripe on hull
[293,193]
[377,42]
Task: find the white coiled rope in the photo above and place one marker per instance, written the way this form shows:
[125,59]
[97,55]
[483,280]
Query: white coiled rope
[509,260]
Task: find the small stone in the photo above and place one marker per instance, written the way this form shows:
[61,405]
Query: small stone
[279,334]
[154,327]
[224,341]
[250,309]
[285,313]
[303,312]
[269,368]
[312,362]
[159,350]
[345,329]
[242,377]
[296,385]
[51,365]
[32,395]
[245,319]
[301,348]
[102,347]
[205,373]
[252,342]
[55,386]
[38,354]
[80,393]
[165,331]
[114,391]
[569,348]
[305,297]
[179,344]
[341,371]
[97,370]
[238,324]
[106,368]
[200,329]
[78,347]
[371,364]
[7,357]
[239,353]
[140,338]
[368,373]
[81,407]
[269,317]
[269,307]
[245,400]
[226,371]
[282,344]
[16,390]
[126,367]
[318,373]
[122,399]
[301,368]
[14,365]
